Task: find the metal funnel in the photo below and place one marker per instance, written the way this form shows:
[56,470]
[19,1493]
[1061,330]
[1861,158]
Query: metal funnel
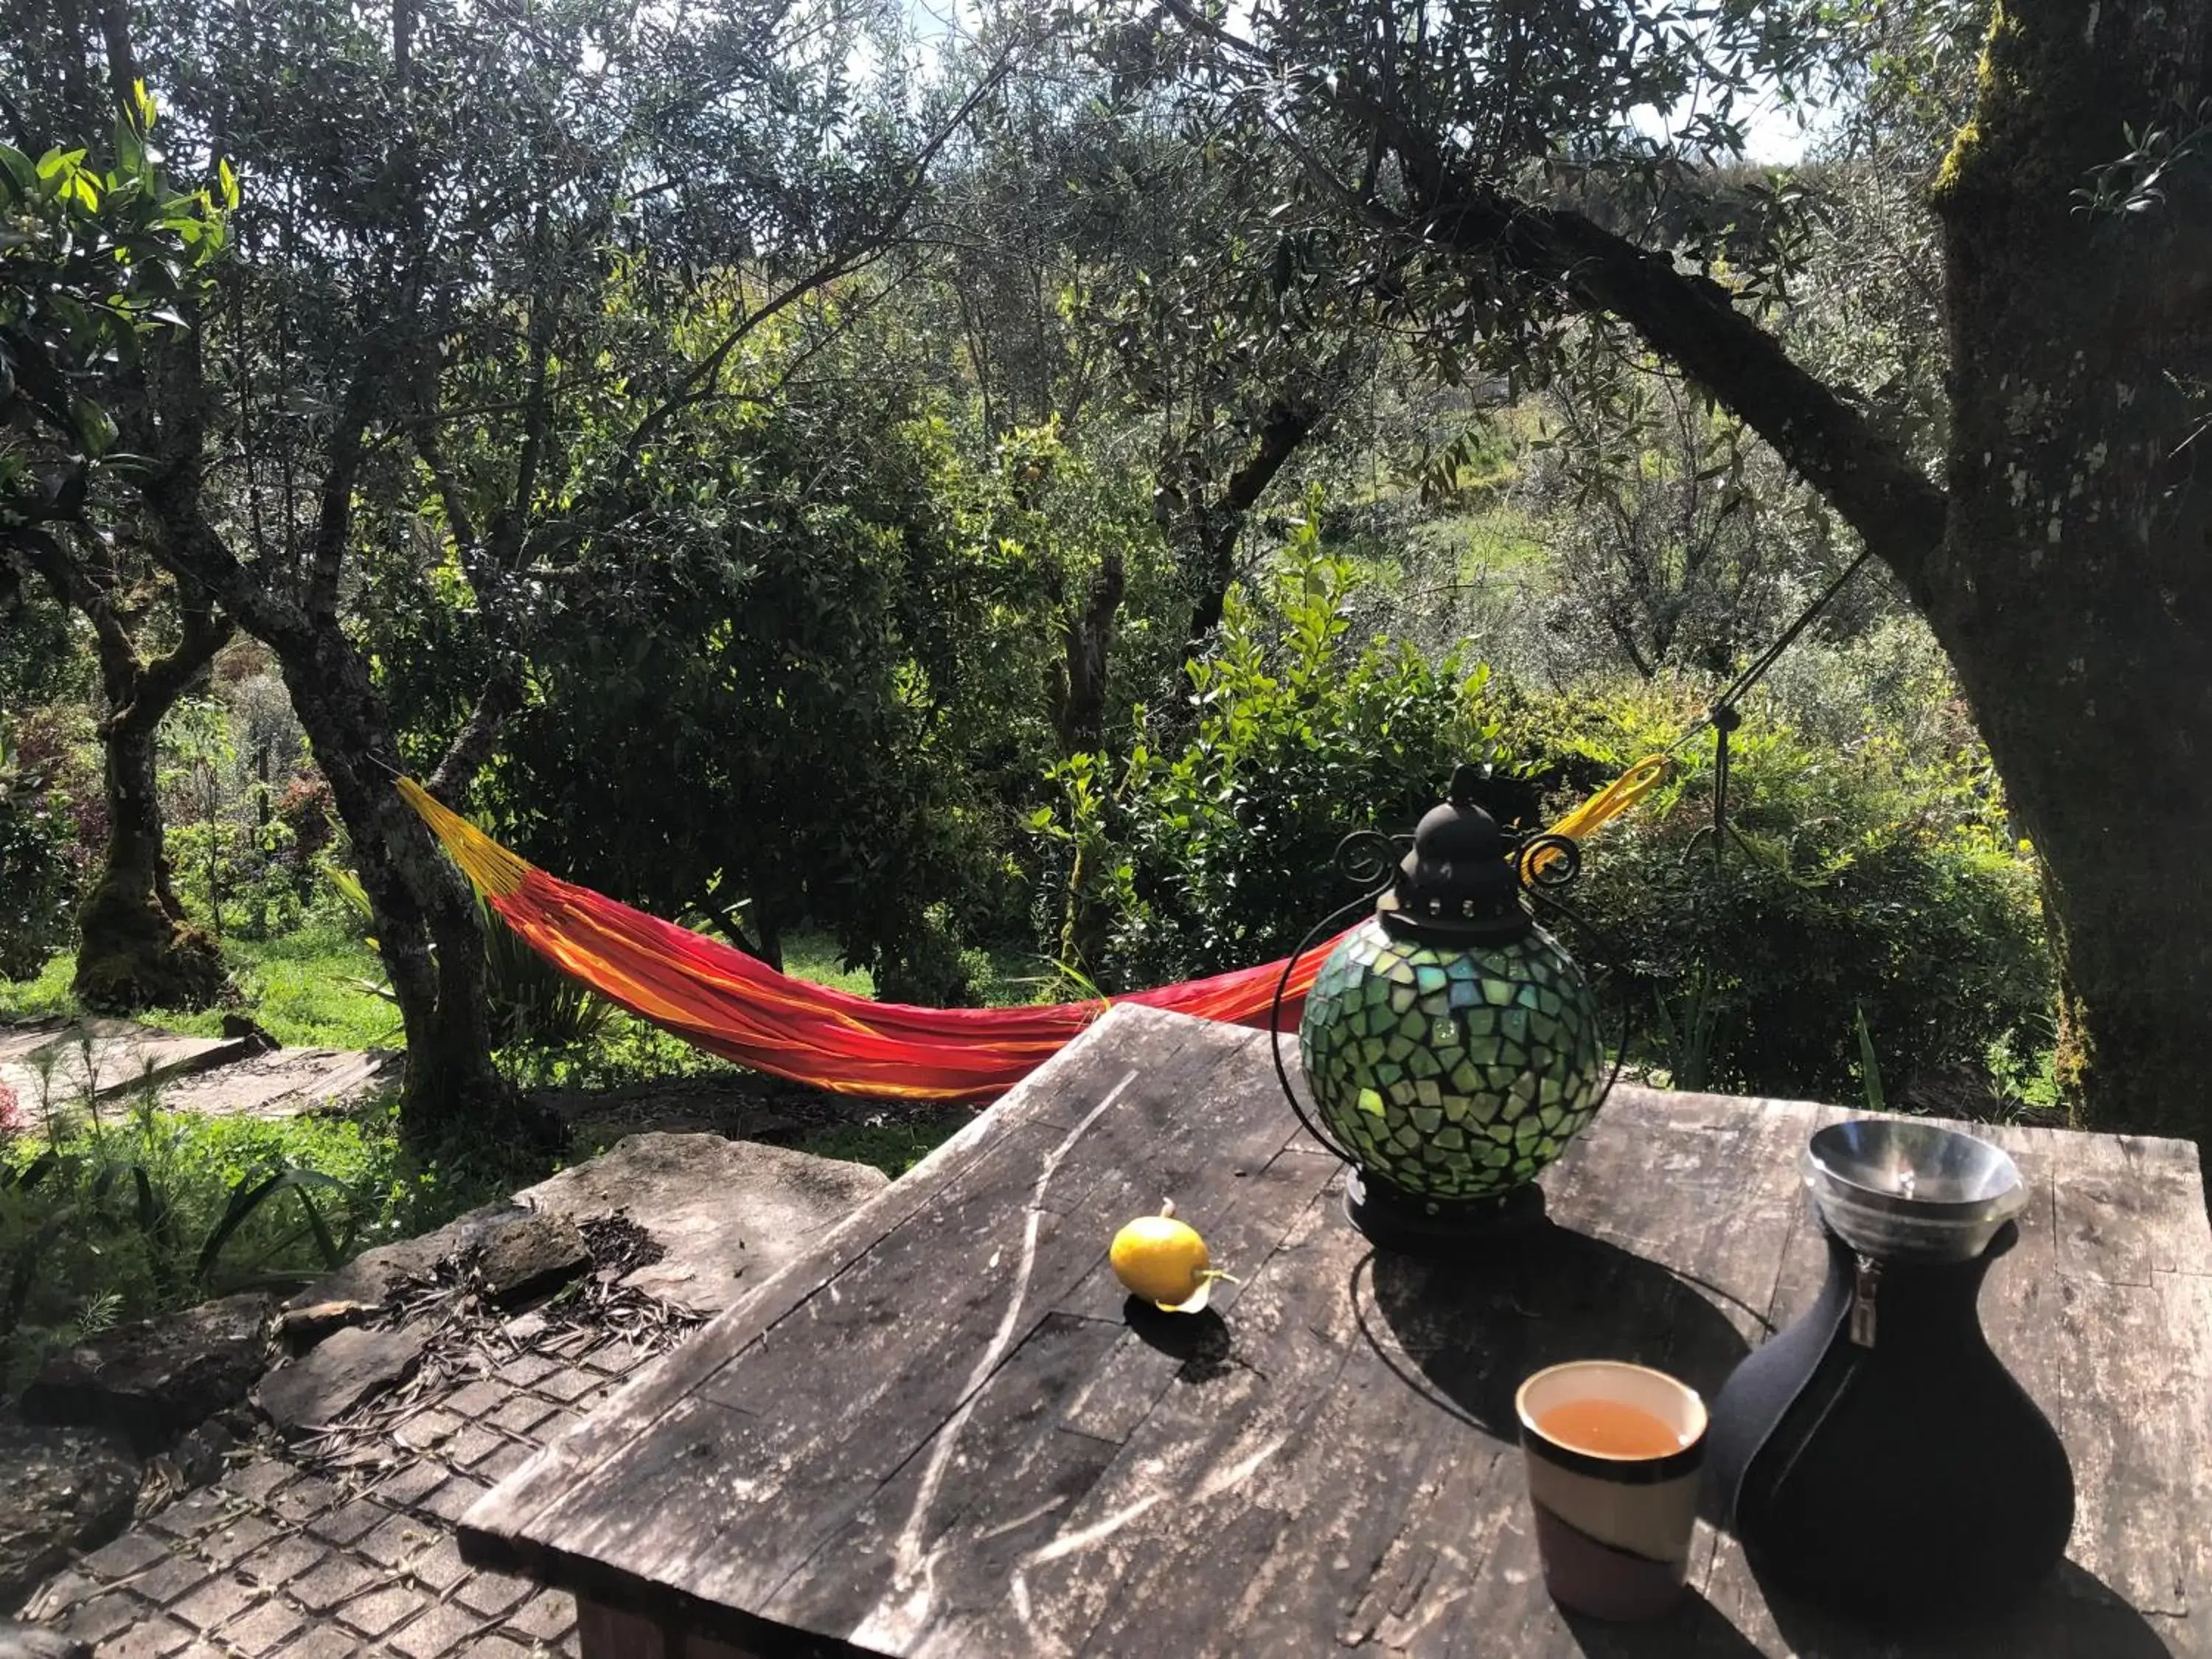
[1893,1188]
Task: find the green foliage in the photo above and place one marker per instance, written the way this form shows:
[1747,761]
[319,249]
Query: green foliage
[1870,900]
[95,255]
[803,700]
[533,1004]
[1214,851]
[137,1210]
[37,883]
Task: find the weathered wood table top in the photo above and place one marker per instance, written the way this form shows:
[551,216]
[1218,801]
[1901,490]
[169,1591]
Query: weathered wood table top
[946,1432]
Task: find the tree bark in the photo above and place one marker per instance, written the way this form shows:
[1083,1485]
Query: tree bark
[2073,590]
[1079,699]
[428,930]
[1206,530]
[136,949]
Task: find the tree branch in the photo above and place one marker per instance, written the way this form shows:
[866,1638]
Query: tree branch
[334,520]
[698,384]
[472,747]
[1686,317]
[206,631]
[1693,321]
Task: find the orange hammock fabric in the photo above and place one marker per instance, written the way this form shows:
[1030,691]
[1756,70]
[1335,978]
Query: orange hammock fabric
[717,998]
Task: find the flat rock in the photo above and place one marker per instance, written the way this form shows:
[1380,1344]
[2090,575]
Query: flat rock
[532,1255]
[153,1380]
[123,1056]
[347,1368]
[285,1082]
[65,1490]
[728,1212]
[372,1276]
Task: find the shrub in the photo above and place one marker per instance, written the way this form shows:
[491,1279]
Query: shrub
[39,869]
[1216,853]
[134,1210]
[1870,878]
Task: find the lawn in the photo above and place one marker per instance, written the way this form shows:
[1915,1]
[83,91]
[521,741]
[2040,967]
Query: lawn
[312,988]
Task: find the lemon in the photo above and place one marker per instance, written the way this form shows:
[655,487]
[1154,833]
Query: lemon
[1165,1261]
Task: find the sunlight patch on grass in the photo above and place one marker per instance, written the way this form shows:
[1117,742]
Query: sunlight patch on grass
[811,955]
[310,988]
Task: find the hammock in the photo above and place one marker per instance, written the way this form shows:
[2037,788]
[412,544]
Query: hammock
[717,998]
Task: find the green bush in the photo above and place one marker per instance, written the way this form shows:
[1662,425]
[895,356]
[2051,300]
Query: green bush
[1215,853]
[1871,878]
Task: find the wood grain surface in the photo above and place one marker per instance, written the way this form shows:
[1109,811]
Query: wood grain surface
[947,1432]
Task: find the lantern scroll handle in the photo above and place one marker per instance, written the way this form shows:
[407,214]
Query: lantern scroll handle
[1550,860]
[1367,857]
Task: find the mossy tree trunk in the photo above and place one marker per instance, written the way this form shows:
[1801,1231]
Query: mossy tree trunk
[137,948]
[2073,588]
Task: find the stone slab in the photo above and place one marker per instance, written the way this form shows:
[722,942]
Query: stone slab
[538,1253]
[125,1055]
[371,1276]
[728,1212]
[285,1082]
[152,1379]
[343,1369]
[66,1489]
[29,1642]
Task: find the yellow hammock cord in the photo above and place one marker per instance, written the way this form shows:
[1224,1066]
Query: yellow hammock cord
[1609,802]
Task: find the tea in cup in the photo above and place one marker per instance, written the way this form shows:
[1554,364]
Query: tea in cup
[1614,1454]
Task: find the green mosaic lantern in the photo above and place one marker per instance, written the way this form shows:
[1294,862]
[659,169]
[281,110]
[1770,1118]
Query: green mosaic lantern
[1450,1047]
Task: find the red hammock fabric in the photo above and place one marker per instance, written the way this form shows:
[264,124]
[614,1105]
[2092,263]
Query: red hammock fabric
[717,998]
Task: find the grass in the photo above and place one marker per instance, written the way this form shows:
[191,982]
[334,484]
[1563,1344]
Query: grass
[812,955]
[1002,977]
[892,1147]
[307,988]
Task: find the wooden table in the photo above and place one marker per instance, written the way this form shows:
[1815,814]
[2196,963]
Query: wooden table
[946,1433]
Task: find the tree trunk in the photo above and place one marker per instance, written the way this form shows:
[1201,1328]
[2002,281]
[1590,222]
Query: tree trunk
[2072,590]
[137,948]
[1080,698]
[1204,531]
[427,929]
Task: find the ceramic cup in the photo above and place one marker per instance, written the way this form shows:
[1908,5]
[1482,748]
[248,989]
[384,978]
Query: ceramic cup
[1615,1493]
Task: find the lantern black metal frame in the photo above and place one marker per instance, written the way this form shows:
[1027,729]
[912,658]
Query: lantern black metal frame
[1415,1224]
